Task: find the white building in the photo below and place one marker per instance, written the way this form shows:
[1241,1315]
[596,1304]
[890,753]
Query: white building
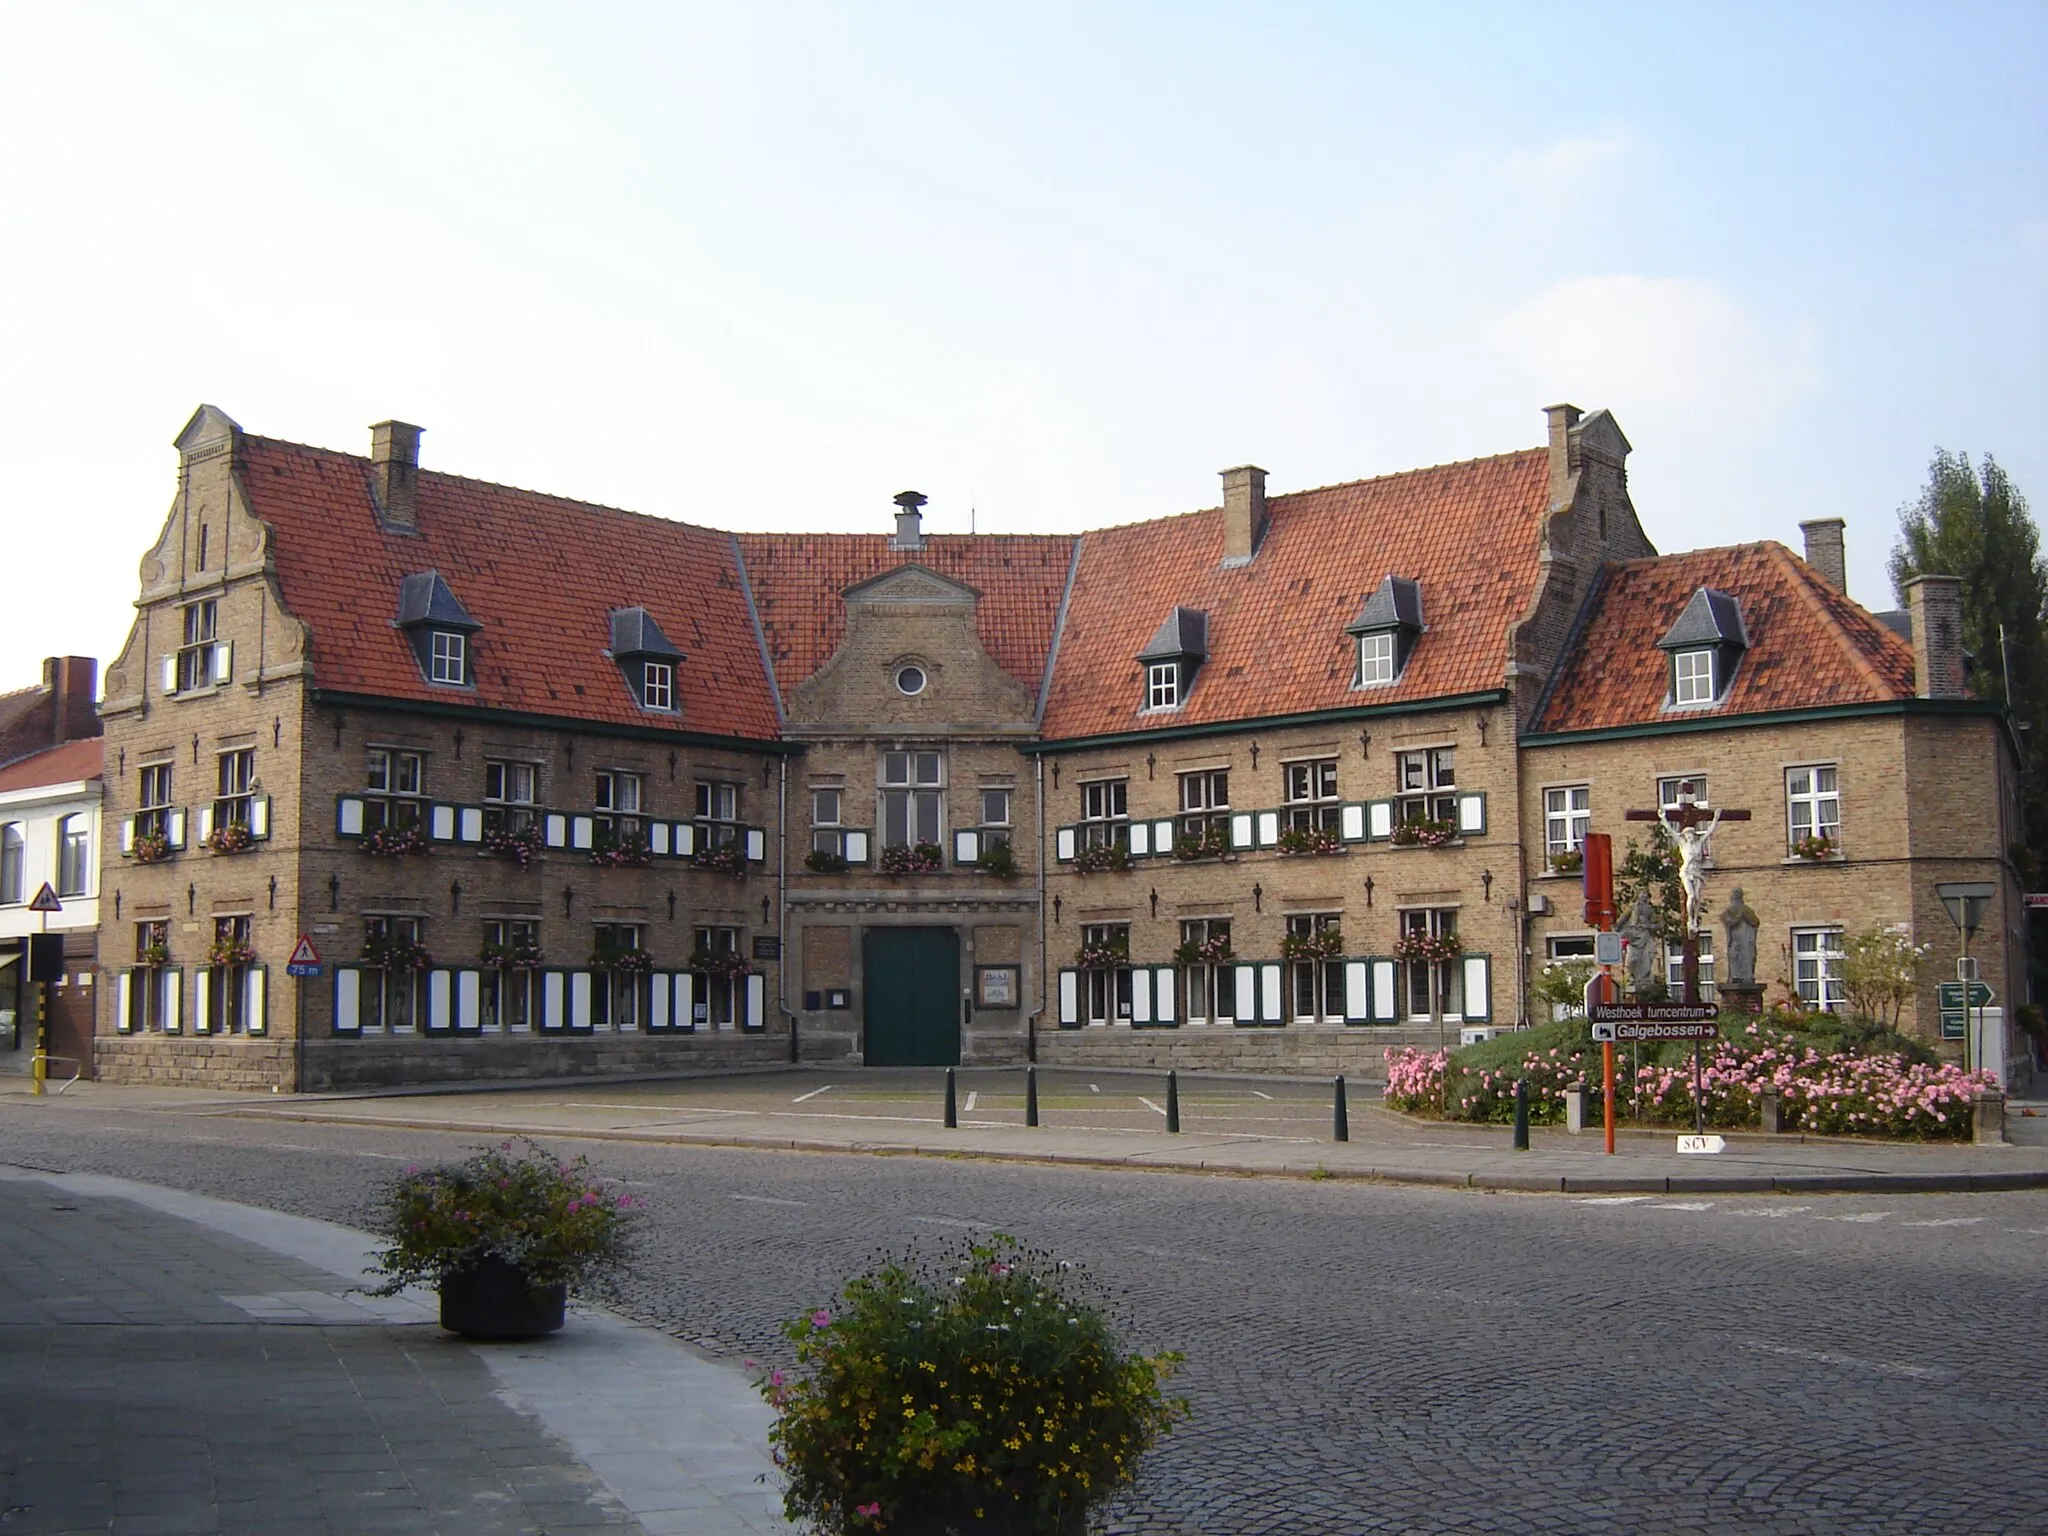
[50,835]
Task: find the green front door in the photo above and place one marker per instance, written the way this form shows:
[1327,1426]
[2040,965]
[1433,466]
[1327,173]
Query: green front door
[913,997]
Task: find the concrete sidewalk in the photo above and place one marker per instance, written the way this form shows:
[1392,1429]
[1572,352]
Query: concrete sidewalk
[1384,1146]
[174,1365]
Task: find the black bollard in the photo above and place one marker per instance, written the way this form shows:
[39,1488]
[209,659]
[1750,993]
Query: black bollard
[1173,1102]
[1521,1114]
[952,1105]
[1031,1095]
[1340,1114]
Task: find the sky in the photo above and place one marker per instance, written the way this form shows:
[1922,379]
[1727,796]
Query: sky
[764,266]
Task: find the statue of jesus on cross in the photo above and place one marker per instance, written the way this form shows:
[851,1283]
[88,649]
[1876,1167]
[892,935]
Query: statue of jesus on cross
[1691,827]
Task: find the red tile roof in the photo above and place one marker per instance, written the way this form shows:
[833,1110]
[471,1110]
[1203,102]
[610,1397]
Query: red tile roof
[1277,646]
[540,573]
[797,579]
[1809,645]
[68,764]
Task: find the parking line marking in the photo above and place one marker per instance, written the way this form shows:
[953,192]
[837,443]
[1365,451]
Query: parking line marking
[1773,1212]
[1258,1095]
[1947,1221]
[1093,1089]
[971,1098]
[1858,1216]
[766,1200]
[1684,1205]
[1150,1105]
[951,1221]
[812,1094]
[1611,1200]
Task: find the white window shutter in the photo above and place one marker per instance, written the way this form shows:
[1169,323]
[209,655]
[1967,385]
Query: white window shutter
[348,1000]
[582,831]
[686,1001]
[555,829]
[440,1012]
[205,822]
[223,661]
[552,990]
[175,825]
[1269,993]
[660,999]
[202,999]
[1141,996]
[579,999]
[856,847]
[1471,815]
[469,823]
[256,999]
[1070,997]
[173,980]
[1241,830]
[127,834]
[441,823]
[1269,828]
[259,816]
[124,1003]
[1247,993]
[757,845]
[348,816]
[1357,992]
[686,840]
[1379,819]
[1163,983]
[1351,822]
[757,1001]
[170,674]
[1385,1001]
[1063,845]
[469,1009]
[1162,838]
[1141,838]
[658,833]
[1478,988]
[966,847]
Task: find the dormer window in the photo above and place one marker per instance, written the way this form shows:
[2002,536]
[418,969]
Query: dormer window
[1705,646]
[1386,630]
[439,628]
[646,659]
[1177,649]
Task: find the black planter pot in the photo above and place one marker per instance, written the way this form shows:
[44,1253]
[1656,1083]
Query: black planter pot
[492,1299]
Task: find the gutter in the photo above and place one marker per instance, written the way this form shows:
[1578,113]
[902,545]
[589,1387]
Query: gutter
[1242,724]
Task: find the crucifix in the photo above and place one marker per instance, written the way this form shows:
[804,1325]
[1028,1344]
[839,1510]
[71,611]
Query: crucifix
[1691,827]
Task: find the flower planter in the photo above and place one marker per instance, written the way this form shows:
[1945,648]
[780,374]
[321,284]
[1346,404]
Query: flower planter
[491,1299]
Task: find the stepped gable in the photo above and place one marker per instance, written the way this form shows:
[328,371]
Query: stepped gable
[1809,646]
[797,579]
[71,763]
[1276,625]
[541,575]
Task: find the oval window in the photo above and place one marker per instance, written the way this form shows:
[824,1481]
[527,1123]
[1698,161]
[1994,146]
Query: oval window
[910,679]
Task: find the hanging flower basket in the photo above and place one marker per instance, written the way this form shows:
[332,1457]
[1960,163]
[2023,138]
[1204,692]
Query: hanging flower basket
[1570,862]
[1815,849]
[1102,957]
[1423,834]
[394,842]
[726,963]
[1098,857]
[998,859]
[1211,844]
[151,848]
[1211,951]
[1326,945]
[630,962]
[153,954]
[396,955]
[620,851]
[230,952]
[918,859]
[720,861]
[522,956]
[1300,840]
[1428,946]
[823,861]
[232,838]
[522,845]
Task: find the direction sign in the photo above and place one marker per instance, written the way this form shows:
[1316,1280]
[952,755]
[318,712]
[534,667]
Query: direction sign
[46,900]
[1699,1144]
[2037,899]
[305,960]
[1950,996]
[1654,1021]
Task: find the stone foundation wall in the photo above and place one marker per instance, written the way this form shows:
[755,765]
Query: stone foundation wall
[1356,1053]
[338,1065]
[185,1061]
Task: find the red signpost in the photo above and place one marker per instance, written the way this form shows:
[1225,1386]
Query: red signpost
[1598,864]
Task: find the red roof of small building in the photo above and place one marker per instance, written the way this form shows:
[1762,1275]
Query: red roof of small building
[540,573]
[1809,645]
[1466,532]
[798,578]
[69,764]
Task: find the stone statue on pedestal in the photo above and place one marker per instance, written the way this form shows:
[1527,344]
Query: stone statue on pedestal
[1740,924]
[1640,932]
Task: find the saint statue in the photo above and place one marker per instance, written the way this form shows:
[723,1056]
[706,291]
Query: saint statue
[1740,924]
[1692,844]
[1640,933]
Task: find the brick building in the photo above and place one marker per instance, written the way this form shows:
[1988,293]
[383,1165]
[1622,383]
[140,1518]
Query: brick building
[560,789]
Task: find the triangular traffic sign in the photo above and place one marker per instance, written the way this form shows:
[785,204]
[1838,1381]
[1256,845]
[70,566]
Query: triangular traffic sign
[46,900]
[303,953]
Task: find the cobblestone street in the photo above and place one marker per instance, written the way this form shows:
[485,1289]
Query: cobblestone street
[1362,1358]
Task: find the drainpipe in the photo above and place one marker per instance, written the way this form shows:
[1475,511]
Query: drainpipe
[1038,824]
[782,907]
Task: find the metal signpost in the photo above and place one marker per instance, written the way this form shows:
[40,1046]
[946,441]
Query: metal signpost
[303,966]
[1597,866]
[45,902]
[1967,901]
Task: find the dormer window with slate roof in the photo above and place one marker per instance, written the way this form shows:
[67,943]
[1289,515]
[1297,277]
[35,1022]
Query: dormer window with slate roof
[1705,646]
[1386,629]
[1170,661]
[438,627]
[646,659]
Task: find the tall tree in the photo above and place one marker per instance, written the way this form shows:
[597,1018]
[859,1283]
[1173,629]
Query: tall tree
[1973,523]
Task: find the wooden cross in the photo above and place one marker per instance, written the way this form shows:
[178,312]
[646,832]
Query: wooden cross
[1686,817]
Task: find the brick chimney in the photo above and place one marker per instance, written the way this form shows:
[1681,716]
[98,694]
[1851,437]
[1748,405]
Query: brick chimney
[1563,451]
[909,532]
[73,685]
[1244,513]
[395,475]
[1935,605]
[1824,551]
